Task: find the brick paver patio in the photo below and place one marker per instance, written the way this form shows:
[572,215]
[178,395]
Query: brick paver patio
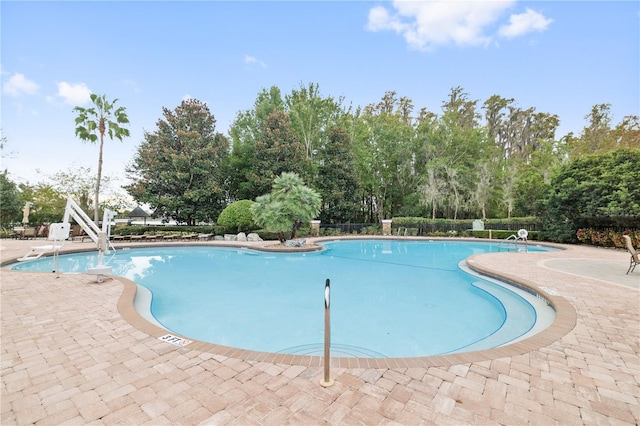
[73,353]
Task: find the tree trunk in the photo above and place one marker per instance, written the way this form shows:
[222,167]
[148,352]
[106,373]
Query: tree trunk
[96,209]
[294,228]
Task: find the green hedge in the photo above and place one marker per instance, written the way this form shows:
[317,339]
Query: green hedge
[460,227]
[270,236]
[164,230]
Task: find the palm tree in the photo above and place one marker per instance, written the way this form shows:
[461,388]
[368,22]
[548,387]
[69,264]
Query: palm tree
[100,117]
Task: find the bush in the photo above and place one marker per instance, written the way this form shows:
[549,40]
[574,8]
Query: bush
[453,227]
[164,230]
[594,191]
[607,237]
[372,230]
[267,235]
[329,232]
[236,217]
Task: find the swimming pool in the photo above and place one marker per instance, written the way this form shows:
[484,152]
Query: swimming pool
[389,298]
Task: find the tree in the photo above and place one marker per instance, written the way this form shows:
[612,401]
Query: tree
[180,169]
[337,181]
[509,175]
[599,137]
[3,147]
[48,204]
[533,179]
[78,183]
[482,193]
[517,132]
[432,191]
[593,191]
[245,131]
[382,147]
[287,207]
[100,118]
[10,200]
[311,115]
[276,151]
[448,153]
[627,132]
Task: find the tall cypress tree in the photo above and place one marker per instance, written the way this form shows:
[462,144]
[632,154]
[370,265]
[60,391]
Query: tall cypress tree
[337,179]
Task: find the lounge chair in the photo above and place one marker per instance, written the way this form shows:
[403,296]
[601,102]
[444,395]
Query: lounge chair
[29,233]
[43,231]
[18,232]
[635,255]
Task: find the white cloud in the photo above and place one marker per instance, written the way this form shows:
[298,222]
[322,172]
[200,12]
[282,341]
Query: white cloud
[253,60]
[74,94]
[428,24]
[380,20]
[524,23]
[18,85]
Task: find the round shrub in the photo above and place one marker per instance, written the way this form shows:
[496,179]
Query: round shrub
[237,217]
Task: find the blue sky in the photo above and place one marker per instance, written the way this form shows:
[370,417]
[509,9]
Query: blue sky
[558,57]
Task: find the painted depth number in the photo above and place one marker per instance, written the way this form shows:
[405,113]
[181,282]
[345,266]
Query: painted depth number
[174,340]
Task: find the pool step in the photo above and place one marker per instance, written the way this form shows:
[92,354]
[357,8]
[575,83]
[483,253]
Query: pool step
[339,351]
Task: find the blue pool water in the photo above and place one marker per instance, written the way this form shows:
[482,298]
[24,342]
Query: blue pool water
[389,298]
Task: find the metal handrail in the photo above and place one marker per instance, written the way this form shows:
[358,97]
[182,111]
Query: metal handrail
[326,380]
[515,240]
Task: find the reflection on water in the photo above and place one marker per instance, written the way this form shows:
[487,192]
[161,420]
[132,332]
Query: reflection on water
[138,266]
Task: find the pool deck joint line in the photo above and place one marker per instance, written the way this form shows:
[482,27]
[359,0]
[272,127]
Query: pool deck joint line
[75,351]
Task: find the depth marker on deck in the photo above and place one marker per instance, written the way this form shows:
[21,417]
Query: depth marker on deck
[174,340]
[550,291]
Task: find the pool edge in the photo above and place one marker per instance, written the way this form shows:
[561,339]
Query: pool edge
[565,321]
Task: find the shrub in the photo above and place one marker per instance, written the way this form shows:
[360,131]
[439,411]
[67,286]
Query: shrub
[236,217]
[164,230]
[594,191]
[607,237]
[372,230]
[267,235]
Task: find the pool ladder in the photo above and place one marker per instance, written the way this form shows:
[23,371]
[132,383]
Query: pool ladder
[406,230]
[518,243]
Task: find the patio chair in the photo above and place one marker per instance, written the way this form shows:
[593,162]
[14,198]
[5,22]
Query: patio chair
[29,233]
[43,231]
[635,255]
[18,232]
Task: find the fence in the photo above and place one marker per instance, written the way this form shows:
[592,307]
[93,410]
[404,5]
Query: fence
[424,228]
[350,228]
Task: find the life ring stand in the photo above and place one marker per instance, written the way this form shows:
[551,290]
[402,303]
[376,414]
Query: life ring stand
[523,233]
